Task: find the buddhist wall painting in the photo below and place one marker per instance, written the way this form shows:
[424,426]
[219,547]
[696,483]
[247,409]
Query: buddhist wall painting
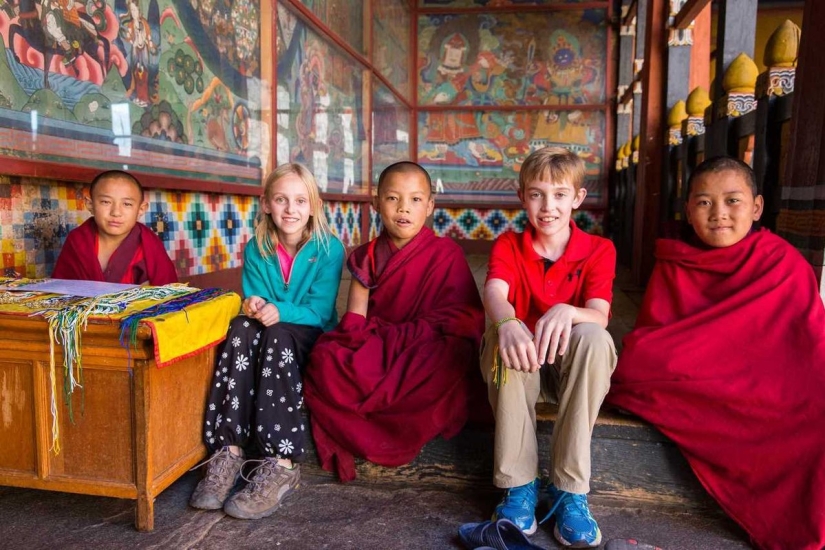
[391,49]
[166,87]
[551,59]
[320,120]
[391,140]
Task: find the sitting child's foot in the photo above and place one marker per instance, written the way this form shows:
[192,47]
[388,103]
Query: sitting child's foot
[575,525]
[223,471]
[519,506]
[262,496]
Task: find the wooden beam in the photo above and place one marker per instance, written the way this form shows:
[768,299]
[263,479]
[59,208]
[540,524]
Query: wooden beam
[700,51]
[650,170]
[631,13]
[688,13]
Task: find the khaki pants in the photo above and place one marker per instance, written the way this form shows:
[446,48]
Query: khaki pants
[578,380]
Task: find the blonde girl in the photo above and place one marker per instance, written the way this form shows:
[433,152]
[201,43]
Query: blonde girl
[291,274]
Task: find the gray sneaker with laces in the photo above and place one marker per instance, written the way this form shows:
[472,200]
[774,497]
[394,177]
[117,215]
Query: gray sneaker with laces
[270,483]
[222,472]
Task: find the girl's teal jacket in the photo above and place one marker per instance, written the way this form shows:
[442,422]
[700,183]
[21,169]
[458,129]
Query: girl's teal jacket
[309,298]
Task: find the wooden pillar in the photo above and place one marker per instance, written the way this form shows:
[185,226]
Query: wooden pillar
[652,144]
[639,61]
[802,216]
[735,31]
[700,51]
[624,113]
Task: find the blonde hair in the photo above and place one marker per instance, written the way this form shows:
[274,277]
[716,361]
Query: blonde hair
[266,233]
[555,164]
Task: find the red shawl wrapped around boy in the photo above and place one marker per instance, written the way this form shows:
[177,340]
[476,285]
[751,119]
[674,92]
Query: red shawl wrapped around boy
[381,387]
[728,360]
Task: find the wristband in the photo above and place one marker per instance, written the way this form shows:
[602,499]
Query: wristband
[506,319]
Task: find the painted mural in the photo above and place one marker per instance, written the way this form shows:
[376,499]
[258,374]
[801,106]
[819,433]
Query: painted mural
[548,58]
[391,47]
[391,140]
[320,119]
[344,19]
[164,86]
[553,59]
[475,156]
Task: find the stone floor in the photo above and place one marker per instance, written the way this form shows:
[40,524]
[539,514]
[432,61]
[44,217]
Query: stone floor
[329,515]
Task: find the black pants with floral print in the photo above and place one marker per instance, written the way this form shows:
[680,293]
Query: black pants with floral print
[256,395]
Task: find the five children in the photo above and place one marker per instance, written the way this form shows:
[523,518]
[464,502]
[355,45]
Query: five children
[708,362]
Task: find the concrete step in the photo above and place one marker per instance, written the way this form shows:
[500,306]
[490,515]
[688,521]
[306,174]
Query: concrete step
[632,463]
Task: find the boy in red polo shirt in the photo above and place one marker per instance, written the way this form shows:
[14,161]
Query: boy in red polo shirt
[548,294]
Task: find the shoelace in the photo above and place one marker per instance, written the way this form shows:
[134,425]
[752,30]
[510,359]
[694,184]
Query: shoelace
[572,504]
[218,456]
[265,468]
[521,498]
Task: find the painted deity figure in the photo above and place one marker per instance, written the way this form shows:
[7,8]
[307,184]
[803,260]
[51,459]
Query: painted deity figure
[135,30]
[64,29]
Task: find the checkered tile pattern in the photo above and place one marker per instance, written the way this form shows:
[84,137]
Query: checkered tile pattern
[203,232]
[487,224]
[344,219]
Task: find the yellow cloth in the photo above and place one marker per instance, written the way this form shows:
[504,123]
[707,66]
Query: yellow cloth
[176,335]
[184,333]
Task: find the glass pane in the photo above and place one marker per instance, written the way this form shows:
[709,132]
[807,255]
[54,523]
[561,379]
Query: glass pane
[344,18]
[319,107]
[161,87]
[475,156]
[391,130]
[550,58]
[391,51]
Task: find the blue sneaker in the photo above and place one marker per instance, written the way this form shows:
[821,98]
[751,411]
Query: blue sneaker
[575,525]
[519,506]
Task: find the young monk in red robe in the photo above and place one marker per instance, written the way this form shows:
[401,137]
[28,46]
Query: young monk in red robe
[726,359]
[112,245]
[395,372]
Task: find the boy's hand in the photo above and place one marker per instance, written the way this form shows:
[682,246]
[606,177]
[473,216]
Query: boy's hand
[553,332]
[516,347]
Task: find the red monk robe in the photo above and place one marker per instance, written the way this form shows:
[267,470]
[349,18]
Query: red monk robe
[728,360]
[381,387]
[140,258]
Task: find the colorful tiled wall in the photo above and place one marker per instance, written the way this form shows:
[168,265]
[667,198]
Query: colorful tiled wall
[487,224]
[203,232]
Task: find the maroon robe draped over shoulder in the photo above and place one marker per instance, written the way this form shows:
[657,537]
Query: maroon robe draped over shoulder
[380,387]
[140,258]
[728,360]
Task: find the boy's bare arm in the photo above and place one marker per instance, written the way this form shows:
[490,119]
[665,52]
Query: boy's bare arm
[358,298]
[554,327]
[515,343]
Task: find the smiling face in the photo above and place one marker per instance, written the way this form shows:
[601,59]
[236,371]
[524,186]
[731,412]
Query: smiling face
[116,204]
[722,208]
[404,202]
[549,206]
[288,204]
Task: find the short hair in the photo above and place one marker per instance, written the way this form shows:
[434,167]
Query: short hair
[112,175]
[404,167]
[556,164]
[715,165]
